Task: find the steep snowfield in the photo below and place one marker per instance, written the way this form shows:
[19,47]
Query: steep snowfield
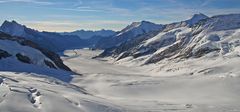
[14,48]
[206,84]
[20,55]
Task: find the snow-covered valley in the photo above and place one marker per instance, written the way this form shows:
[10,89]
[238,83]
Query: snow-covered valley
[138,89]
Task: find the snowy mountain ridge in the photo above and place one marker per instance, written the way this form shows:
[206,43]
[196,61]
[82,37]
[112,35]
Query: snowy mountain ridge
[130,32]
[138,28]
[182,40]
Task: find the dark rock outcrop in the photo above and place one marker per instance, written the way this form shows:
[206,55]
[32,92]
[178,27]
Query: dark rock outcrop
[4,54]
[23,58]
[49,64]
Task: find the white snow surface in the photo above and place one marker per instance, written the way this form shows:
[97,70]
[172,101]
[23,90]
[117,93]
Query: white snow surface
[22,92]
[207,84]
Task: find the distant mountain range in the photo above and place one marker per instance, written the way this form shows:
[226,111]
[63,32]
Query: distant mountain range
[55,41]
[89,34]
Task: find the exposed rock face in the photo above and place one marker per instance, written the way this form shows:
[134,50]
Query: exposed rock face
[23,58]
[4,54]
[49,64]
[168,52]
[51,55]
[202,52]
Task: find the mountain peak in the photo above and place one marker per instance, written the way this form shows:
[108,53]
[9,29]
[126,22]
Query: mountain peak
[146,22]
[136,24]
[138,28]
[12,28]
[196,18]
[13,22]
[142,25]
[199,15]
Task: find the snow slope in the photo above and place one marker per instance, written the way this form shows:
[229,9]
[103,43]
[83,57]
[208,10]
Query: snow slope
[20,55]
[44,94]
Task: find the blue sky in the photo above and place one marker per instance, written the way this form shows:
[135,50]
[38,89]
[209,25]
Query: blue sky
[69,15]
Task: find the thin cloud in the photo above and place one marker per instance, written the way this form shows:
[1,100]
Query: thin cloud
[81,10]
[28,1]
[73,9]
[66,25]
[206,2]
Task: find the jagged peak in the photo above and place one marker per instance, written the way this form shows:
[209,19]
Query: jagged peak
[13,28]
[13,23]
